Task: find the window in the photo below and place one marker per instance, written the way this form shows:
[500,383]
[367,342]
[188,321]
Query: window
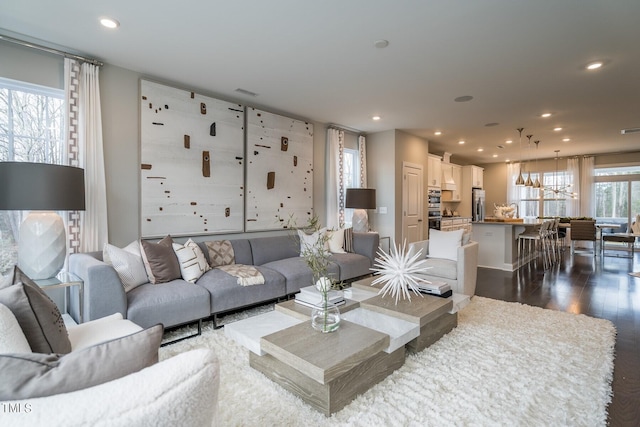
[617,195]
[533,201]
[31,130]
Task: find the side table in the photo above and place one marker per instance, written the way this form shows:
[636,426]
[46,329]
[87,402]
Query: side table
[65,279]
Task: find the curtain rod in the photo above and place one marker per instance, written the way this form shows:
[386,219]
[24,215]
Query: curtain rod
[50,50]
[346,129]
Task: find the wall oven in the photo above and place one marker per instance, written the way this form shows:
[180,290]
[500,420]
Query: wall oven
[434,212]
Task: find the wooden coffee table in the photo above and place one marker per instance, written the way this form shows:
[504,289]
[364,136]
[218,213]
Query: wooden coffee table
[329,370]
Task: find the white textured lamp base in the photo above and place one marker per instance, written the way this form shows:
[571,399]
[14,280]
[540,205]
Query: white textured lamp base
[360,221]
[43,245]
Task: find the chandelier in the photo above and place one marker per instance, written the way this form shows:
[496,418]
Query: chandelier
[556,190]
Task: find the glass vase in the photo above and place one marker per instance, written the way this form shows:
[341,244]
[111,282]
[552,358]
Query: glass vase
[325,318]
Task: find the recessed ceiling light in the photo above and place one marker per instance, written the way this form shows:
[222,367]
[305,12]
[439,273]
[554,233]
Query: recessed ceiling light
[558,129]
[507,160]
[109,23]
[437,133]
[508,141]
[480,149]
[460,142]
[376,118]
[545,115]
[594,65]
[495,155]
[566,140]
[381,44]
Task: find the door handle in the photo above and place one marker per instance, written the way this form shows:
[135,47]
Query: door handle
[419,220]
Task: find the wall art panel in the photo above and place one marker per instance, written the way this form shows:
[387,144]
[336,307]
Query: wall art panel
[192,163]
[279,170]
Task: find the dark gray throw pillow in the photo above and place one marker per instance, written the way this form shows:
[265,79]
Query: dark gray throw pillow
[29,375]
[160,260]
[38,316]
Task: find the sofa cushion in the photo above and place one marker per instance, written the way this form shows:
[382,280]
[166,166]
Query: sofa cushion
[226,294]
[29,375]
[444,268]
[172,303]
[445,244]
[298,274]
[268,249]
[128,264]
[38,316]
[191,259]
[351,265]
[100,330]
[12,339]
[160,260]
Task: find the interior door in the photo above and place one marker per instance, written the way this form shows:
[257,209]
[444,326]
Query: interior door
[412,205]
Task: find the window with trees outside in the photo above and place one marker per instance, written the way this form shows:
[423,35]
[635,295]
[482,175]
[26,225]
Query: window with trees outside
[617,195]
[536,202]
[31,130]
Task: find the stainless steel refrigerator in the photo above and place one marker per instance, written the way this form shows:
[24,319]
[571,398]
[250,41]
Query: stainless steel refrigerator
[477,207]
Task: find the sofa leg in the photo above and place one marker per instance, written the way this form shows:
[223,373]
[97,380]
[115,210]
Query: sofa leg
[214,320]
[187,337]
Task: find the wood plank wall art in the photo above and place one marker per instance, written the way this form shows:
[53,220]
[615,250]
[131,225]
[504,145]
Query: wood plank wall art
[279,170]
[202,172]
[192,163]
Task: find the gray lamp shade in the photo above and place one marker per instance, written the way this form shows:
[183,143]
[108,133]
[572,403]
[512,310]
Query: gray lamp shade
[41,186]
[361,198]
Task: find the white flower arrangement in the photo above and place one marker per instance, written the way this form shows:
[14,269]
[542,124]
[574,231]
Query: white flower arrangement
[397,270]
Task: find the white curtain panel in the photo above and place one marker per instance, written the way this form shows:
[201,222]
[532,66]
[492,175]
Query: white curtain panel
[362,150]
[93,226]
[335,178]
[587,190]
[573,205]
[512,174]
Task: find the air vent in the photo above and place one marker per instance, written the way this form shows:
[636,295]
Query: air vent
[630,130]
[246,92]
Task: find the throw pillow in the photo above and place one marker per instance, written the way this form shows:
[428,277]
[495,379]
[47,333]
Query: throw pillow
[348,240]
[193,264]
[38,316]
[312,242]
[12,339]
[160,261]
[444,244]
[220,253]
[336,241]
[32,375]
[128,264]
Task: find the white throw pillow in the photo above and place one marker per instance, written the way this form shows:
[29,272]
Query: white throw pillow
[193,263]
[128,264]
[444,244]
[336,241]
[310,241]
[12,339]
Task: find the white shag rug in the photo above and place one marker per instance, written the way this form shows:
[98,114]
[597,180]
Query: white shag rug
[505,364]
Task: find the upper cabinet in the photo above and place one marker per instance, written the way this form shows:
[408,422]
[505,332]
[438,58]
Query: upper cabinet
[434,171]
[477,177]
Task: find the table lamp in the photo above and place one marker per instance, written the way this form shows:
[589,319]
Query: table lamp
[360,199]
[42,189]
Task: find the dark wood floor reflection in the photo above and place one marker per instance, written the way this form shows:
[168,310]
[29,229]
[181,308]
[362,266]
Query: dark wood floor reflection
[600,287]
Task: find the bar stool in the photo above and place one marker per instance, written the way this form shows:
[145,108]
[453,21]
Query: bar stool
[535,242]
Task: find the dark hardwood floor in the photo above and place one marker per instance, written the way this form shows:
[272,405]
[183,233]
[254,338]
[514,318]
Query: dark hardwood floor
[599,287]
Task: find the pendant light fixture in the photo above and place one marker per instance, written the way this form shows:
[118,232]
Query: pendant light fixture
[528,182]
[537,184]
[558,190]
[520,180]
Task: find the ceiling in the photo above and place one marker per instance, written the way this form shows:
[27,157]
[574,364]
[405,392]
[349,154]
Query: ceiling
[317,60]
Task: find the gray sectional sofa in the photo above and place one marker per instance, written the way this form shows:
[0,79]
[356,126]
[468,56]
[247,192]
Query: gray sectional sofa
[179,302]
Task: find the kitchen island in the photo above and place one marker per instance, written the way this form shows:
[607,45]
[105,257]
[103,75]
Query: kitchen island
[498,243]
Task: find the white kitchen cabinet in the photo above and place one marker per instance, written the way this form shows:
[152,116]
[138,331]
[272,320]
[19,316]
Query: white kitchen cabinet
[434,170]
[477,177]
[454,171]
[455,223]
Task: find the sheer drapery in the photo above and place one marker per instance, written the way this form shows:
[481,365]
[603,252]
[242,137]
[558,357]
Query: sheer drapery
[512,191]
[587,190]
[335,178]
[362,150]
[573,205]
[88,230]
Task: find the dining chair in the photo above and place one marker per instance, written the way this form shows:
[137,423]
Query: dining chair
[585,230]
